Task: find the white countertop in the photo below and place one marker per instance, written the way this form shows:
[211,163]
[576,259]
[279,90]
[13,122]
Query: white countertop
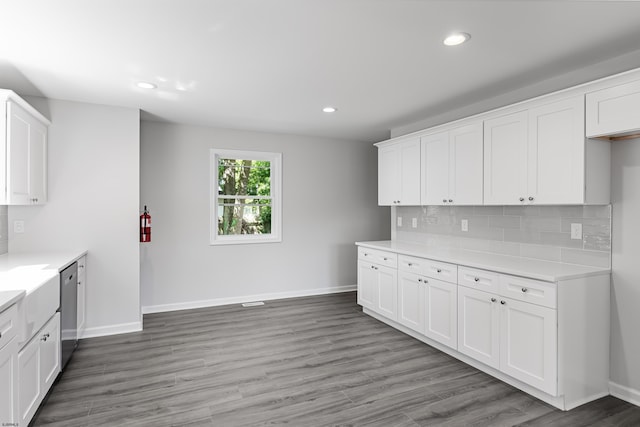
[548,271]
[24,272]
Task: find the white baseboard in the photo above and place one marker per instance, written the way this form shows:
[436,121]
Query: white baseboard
[101,331]
[245,298]
[625,393]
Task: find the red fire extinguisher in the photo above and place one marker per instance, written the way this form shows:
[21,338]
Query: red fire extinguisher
[145,226]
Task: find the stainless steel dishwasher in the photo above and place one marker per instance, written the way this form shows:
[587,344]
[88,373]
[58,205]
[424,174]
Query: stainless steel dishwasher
[68,312]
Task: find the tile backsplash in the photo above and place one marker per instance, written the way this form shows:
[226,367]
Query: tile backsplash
[542,232]
[4,229]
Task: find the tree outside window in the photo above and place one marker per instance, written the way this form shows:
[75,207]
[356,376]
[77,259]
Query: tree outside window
[246,205]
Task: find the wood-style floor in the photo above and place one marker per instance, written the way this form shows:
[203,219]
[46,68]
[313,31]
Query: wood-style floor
[316,361]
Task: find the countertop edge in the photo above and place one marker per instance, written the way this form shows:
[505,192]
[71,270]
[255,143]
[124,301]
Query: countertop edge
[8,298]
[586,270]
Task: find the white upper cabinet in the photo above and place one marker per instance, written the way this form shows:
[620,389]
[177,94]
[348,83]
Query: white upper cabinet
[452,167]
[23,147]
[540,156]
[399,173]
[614,111]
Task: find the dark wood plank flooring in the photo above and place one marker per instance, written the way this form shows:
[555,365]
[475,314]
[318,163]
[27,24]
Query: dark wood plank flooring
[316,361]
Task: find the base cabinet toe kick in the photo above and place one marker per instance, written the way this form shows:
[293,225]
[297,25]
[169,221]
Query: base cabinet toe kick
[549,339]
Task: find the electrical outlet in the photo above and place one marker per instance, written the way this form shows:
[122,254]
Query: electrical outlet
[399,221]
[414,222]
[464,225]
[576,231]
[18,226]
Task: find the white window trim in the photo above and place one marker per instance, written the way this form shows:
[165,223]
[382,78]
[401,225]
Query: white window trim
[276,197]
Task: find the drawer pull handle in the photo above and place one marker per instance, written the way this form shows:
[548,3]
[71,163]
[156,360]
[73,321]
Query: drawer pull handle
[420,280]
[385,258]
[503,302]
[493,300]
[524,289]
[477,279]
[409,264]
[439,270]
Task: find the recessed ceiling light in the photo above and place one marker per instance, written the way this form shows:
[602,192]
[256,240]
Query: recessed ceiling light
[329,109]
[456,39]
[146,85]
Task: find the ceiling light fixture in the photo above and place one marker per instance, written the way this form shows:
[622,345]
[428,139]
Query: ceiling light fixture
[146,85]
[456,39]
[329,109]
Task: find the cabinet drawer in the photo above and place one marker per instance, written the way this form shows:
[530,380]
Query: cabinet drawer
[479,279]
[378,257]
[528,290]
[428,267]
[8,324]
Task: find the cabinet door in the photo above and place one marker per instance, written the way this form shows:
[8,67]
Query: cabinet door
[50,352]
[556,153]
[410,172]
[411,301]
[442,312]
[18,129]
[465,165]
[435,169]
[478,326]
[387,292]
[26,157]
[29,386]
[388,175]
[367,282]
[8,383]
[505,159]
[38,164]
[528,347]
[82,294]
[613,111]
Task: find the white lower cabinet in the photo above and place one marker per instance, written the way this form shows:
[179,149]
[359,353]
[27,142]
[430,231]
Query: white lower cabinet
[528,344]
[549,339]
[478,326]
[38,366]
[378,288]
[411,301]
[441,318]
[8,382]
[82,294]
[518,338]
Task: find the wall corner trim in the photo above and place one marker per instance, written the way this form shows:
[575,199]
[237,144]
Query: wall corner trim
[245,298]
[625,393]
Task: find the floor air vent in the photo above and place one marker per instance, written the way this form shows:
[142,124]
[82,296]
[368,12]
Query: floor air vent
[252,304]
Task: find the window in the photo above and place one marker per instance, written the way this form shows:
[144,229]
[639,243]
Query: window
[246,197]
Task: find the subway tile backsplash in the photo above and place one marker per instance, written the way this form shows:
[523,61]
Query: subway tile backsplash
[540,232]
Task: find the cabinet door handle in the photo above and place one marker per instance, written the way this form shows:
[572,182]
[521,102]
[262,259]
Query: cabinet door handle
[420,280]
[493,300]
[444,200]
[530,199]
[524,289]
[450,200]
[503,302]
[409,264]
[522,199]
[439,270]
[476,279]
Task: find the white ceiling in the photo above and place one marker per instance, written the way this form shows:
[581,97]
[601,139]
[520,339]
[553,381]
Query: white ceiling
[272,65]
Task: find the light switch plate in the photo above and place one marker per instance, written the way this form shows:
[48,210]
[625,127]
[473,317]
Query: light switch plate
[414,222]
[18,226]
[399,221]
[576,231]
[464,225]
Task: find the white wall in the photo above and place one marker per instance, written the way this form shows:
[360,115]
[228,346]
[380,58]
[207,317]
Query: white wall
[94,190]
[329,202]
[625,293]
